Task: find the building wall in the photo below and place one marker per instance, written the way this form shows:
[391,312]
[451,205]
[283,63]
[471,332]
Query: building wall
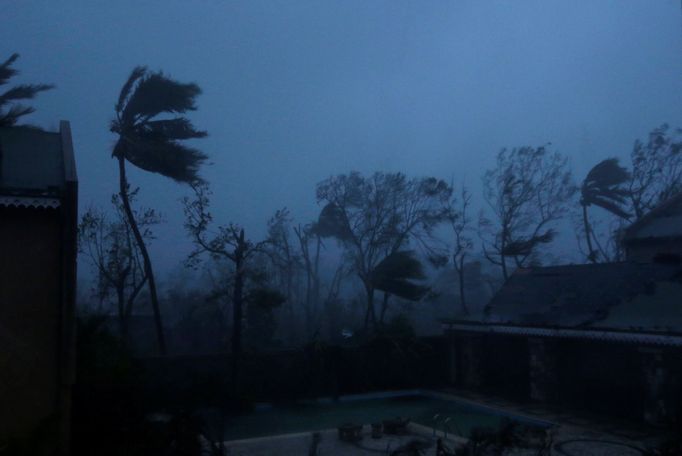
[582,375]
[647,251]
[30,298]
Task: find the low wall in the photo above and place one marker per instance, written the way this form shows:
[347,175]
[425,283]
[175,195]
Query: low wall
[284,375]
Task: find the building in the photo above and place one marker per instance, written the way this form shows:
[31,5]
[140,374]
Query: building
[598,337]
[38,246]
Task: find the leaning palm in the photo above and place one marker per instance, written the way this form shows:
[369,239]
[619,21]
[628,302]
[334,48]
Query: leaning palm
[603,187]
[155,144]
[10,109]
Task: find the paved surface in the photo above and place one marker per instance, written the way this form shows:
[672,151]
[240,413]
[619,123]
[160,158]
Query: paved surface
[573,435]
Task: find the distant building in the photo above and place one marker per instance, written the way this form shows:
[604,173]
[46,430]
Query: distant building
[599,337]
[38,224]
[658,235]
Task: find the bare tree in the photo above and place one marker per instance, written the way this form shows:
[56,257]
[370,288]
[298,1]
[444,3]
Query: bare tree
[463,244]
[527,191]
[656,172]
[310,245]
[226,243]
[378,216]
[284,260]
[113,252]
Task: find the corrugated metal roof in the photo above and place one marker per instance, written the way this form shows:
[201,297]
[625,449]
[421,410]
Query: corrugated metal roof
[31,162]
[664,221]
[617,297]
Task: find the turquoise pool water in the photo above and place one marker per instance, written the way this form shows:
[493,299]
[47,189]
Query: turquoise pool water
[312,416]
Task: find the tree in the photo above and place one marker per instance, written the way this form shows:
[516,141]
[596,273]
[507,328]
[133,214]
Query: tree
[283,259]
[656,173]
[156,145]
[458,217]
[227,243]
[604,186]
[10,109]
[527,191]
[310,245]
[112,251]
[377,216]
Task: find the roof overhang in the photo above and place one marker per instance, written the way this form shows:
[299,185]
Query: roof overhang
[35,202]
[566,333]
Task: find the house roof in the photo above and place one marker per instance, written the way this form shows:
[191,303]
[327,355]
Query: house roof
[35,166]
[615,298]
[664,221]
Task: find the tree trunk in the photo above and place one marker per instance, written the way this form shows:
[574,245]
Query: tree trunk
[122,326]
[123,191]
[384,306]
[237,303]
[588,232]
[370,317]
[460,273]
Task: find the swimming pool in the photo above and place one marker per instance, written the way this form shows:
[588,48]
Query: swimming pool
[419,406]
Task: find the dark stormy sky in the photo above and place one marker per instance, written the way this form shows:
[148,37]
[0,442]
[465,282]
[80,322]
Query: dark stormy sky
[295,91]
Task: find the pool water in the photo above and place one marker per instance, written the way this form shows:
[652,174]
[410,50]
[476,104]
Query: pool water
[313,416]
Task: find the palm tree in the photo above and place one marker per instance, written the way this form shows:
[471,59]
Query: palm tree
[395,275]
[603,187]
[155,145]
[10,110]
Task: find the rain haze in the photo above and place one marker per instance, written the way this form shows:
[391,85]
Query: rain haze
[341,227]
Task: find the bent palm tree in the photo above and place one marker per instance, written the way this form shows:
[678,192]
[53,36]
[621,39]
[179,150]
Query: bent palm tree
[603,187]
[154,145]
[395,275]
[10,110]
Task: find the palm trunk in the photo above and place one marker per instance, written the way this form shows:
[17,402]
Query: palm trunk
[588,233]
[123,191]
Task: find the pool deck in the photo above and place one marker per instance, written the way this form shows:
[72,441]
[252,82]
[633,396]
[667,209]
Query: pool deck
[573,434]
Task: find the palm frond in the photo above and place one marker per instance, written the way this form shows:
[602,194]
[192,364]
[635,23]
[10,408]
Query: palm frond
[24,92]
[156,94]
[6,70]
[332,222]
[136,74]
[611,207]
[168,158]
[10,118]
[395,275]
[177,129]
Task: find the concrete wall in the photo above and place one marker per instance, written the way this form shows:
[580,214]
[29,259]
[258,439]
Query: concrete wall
[30,299]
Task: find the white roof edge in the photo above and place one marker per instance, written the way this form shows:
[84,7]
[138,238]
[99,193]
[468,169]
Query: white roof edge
[616,336]
[30,201]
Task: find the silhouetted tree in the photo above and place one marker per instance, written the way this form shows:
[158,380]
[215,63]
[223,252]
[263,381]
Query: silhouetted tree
[10,108]
[155,144]
[458,217]
[227,243]
[113,252]
[527,191]
[604,186]
[377,216]
[310,246]
[656,173]
[284,260]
